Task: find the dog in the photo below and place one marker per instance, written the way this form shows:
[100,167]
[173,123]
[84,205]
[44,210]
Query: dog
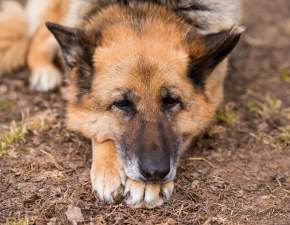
[145,78]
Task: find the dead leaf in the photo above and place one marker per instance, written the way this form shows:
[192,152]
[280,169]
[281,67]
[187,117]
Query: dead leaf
[74,215]
[195,184]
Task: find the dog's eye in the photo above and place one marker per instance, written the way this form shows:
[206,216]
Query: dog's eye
[124,105]
[170,102]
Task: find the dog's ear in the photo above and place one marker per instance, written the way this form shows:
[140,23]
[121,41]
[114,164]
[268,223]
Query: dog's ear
[207,51]
[76,46]
[77,49]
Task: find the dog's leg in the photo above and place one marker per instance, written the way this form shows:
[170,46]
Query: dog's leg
[107,175]
[43,47]
[141,195]
[44,75]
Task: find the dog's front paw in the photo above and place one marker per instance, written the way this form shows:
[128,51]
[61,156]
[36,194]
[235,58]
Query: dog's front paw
[107,182]
[45,79]
[140,194]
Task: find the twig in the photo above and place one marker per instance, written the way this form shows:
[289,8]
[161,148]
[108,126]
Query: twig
[202,159]
[285,190]
[207,221]
[53,160]
[180,210]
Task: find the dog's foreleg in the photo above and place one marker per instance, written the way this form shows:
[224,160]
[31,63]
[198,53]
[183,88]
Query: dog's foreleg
[107,176]
[109,180]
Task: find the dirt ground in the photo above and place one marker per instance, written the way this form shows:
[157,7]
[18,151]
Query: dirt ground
[238,172]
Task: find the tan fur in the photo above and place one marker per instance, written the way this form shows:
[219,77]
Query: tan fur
[106,173]
[19,48]
[13,36]
[163,62]
[162,47]
[43,46]
[143,59]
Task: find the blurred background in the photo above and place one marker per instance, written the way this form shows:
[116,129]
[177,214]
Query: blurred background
[238,172]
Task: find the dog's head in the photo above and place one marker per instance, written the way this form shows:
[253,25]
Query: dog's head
[146,80]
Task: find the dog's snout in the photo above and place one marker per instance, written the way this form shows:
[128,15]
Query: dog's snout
[152,148]
[154,171]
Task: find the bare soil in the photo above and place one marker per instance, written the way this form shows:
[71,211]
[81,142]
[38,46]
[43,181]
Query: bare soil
[238,172]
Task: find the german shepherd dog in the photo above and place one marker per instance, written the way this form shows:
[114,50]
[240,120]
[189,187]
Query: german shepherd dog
[146,77]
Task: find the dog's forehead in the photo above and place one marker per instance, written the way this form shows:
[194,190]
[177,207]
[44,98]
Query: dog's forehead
[140,61]
[144,73]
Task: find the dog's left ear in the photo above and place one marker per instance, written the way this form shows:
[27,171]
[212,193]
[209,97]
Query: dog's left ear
[76,47]
[207,51]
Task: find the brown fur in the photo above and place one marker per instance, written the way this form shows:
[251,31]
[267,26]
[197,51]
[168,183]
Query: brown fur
[164,51]
[13,37]
[140,55]
[106,167]
[42,45]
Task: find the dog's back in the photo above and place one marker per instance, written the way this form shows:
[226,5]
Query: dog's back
[209,16]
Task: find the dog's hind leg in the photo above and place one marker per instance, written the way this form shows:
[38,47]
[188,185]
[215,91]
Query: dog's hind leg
[43,48]
[14,38]
[44,75]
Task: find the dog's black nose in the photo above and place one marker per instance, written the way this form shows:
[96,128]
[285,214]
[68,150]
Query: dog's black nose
[154,171]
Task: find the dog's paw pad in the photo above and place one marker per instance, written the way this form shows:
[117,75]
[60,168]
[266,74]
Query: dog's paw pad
[140,195]
[45,79]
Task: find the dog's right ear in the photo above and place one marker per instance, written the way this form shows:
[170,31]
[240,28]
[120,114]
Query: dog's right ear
[76,46]
[207,51]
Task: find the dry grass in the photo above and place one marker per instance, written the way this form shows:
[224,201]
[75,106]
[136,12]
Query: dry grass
[24,221]
[227,115]
[269,108]
[16,132]
[284,136]
[4,104]
[286,76]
